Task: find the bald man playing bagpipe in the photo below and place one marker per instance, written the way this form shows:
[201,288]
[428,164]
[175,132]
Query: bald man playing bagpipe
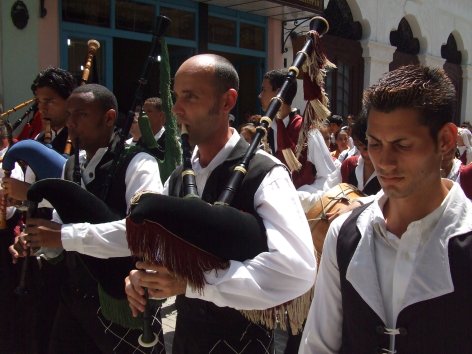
[209,320]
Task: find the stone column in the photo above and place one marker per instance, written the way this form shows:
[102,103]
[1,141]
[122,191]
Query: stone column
[377,57]
[466,108]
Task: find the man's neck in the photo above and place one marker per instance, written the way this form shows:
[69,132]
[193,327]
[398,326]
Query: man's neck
[401,212]
[368,171]
[56,127]
[91,151]
[207,152]
[447,169]
[156,129]
[89,154]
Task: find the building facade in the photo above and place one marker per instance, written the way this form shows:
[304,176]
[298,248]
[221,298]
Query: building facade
[366,39]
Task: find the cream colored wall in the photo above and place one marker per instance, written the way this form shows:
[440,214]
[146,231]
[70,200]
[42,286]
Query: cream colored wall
[19,54]
[431,21]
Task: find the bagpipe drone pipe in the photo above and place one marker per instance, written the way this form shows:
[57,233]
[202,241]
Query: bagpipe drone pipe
[189,236]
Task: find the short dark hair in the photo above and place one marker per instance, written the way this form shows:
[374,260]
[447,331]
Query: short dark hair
[56,79]
[101,94]
[359,129]
[226,76]
[427,90]
[336,119]
[277,78]
[155,101]
[250,127]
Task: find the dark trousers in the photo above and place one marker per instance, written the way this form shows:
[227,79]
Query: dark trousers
[26,319]
[79,327]
[32,313]
[203,328]
[293,343]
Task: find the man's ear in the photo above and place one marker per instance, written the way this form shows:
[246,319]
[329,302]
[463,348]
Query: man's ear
[110,117]
[229,99]
[447,137]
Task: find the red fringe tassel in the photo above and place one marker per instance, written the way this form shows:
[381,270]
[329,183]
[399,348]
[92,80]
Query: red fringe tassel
[154,243]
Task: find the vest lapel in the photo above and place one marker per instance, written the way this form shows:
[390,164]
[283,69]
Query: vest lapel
[431,276]
[214,179]
[362,270]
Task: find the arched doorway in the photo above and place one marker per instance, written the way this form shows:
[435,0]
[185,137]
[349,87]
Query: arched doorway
[453,68]
[408,46]
[344,84]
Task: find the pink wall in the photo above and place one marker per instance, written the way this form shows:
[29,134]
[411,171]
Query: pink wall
[48,36]
[274,45]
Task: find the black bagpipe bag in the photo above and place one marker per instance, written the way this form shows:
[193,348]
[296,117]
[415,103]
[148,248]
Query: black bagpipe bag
[190,236]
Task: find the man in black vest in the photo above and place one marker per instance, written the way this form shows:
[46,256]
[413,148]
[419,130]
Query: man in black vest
[152,107]
[206,89]
[317,172]
[395,273]
[93,316]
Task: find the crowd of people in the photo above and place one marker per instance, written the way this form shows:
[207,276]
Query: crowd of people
[394,275]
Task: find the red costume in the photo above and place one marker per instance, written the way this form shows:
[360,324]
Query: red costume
[465,179]
[287,138]
[31,129]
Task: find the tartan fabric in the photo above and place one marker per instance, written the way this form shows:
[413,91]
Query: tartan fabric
[245,344]
[204,328]
[126,339]
[262,345]
[80,327]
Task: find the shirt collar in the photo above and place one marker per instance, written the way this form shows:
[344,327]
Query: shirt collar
[431,276]
[96,158]
[426,224]
[220,157]
[159,133]
[454,172]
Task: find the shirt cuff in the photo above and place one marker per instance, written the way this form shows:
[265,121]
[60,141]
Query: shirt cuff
[72,236]
[208,293]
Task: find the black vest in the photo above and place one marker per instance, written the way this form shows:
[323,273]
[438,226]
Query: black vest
[441,325]
[202,323]
[110,273]
[159,151]
[371,188]
[59,141]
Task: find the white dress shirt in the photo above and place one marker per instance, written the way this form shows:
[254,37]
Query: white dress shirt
[388,272]
[157,136]
[109,239]
[327,173]
[454,173]
[288,269]
[359,171]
